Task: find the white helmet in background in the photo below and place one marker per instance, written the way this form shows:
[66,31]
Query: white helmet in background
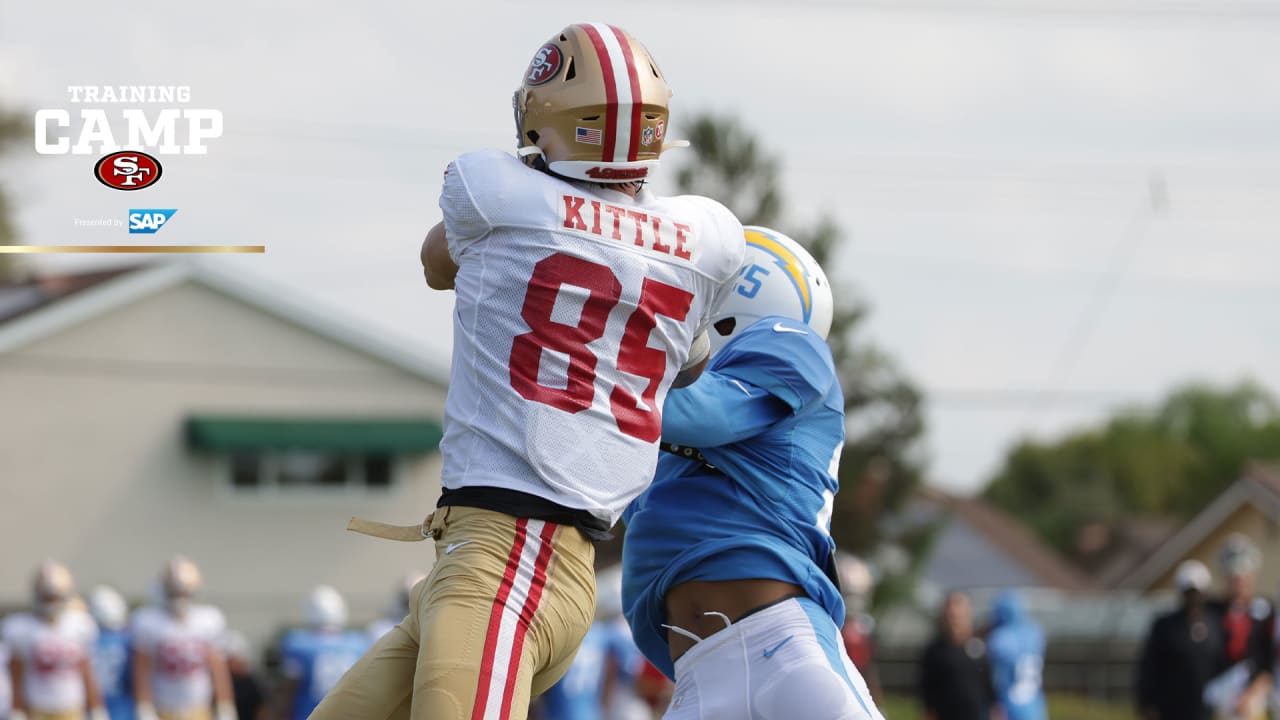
[325,609]
[52,588]
[609,593]
[778,277]
[108,608]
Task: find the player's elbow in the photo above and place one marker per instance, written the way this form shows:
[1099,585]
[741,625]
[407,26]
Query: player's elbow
[685,377]
[437,266]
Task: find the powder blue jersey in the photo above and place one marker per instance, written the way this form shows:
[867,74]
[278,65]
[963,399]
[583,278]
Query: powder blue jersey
[111,666]
[1015,649]
[316,660]
[769,414]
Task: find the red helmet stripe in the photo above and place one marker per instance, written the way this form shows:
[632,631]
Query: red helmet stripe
[610,92]
[636,102]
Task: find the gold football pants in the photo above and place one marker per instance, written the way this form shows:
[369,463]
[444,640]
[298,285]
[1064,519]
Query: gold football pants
[498,620]
[198,713]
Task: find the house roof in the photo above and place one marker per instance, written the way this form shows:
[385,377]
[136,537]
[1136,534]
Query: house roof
[40,307]
[1259,486]
[1015,539]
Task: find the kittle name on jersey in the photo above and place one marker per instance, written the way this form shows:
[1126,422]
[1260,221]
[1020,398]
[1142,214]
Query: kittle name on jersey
[647,230]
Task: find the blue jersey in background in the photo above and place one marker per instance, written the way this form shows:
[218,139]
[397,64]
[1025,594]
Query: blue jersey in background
[1015,650]
[111,665]
[768,413]
[579,695]
[316,660]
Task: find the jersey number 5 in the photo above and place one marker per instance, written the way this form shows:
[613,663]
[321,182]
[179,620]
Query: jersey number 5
[634,355]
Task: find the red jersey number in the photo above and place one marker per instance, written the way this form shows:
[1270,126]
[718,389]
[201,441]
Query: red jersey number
[634,355]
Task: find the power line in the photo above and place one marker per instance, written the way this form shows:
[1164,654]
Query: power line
[1156,203]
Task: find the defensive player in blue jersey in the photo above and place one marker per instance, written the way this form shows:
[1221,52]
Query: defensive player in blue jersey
[112,652]
[1015,648]
[315,658]
[727,555]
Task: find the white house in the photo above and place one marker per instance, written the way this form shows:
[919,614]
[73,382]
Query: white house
[174,408]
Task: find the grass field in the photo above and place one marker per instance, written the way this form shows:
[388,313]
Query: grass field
[1061,707]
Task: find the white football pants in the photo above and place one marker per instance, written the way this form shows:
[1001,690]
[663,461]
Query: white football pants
[781,663]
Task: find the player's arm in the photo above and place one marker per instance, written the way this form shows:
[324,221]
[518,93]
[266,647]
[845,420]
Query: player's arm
[92,692]
[699,354]
[142,698]
[719,410]
[19,691]
[437,265]
[224,700]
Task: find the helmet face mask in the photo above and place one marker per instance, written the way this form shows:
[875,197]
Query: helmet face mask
[778,277]
[592,106]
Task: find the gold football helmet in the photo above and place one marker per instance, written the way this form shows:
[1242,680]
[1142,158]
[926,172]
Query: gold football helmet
[52,588]
[593,106]
[180,578]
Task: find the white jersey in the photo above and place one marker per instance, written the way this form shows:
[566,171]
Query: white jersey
[179,650]
[52,655]
[576,307]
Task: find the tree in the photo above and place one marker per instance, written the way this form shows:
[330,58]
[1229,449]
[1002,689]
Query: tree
[879,467]
[1168,460]
[12,127]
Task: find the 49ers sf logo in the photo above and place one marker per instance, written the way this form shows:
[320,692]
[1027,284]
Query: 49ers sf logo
[127,170]
[545,65]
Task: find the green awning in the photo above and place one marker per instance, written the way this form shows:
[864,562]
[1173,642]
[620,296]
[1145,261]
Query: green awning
[401,436]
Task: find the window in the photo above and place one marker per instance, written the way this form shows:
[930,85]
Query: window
[292,470]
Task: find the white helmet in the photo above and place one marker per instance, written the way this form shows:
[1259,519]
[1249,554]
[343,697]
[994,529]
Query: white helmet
[108,608]
[778,277]
[609,593]
[326,609]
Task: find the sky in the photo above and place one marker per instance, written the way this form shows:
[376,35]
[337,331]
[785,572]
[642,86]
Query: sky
[1054,208]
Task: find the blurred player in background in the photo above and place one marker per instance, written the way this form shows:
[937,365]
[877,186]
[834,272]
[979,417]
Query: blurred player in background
[1240,690]
[857,585]
[1181,653]
[398,609]
[111,655]
[728,558]
[600,684]
[315,657]
[51,663]
[250,698]
[955,677]
[580,297]
[1015,647]
[179,671]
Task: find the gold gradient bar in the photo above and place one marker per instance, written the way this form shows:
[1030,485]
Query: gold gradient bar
[37,249]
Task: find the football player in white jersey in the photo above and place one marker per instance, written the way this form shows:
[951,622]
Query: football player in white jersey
[51,653]
[179,671]
[579,298]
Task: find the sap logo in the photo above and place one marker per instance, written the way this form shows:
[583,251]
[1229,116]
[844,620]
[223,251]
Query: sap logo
[148,221]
